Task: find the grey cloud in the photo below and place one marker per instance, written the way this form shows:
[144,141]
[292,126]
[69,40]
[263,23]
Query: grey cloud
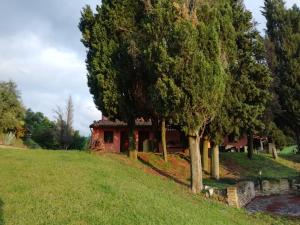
[54,20]
[40,49]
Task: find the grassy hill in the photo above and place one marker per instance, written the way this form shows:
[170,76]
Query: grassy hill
[57,187]
[234,167]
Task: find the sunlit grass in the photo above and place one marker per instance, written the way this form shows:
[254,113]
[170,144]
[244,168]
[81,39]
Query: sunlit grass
[270,168]
[59,187]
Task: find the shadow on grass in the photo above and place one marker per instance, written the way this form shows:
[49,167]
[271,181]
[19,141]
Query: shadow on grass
[1,213]
[161,172]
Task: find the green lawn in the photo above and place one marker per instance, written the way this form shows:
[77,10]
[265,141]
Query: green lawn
[271,169]
[288,150]
[57,187]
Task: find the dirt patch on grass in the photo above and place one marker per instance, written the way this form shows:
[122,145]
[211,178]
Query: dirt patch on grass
[176,168]
[230,169]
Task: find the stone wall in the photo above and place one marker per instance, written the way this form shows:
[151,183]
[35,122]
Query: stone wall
[274,187]
[241,194]
[244,192]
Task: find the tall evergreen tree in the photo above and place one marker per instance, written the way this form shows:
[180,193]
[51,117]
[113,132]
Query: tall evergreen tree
[185,59]
[115,72]
[283,33]
[251,77]
[182,61]
[223,122]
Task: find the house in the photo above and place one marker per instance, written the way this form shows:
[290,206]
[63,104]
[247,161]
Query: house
[112,136]
[238,144]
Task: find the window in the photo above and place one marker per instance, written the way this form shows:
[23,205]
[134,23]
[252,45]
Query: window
[108,136]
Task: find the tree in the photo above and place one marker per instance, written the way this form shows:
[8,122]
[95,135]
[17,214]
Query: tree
[78,142]
[121,68]
[250,75]
[223,124]
[64,124]
[283,34]
[40,130]
[11,108]
[115,71]
[184,61]
[69,122]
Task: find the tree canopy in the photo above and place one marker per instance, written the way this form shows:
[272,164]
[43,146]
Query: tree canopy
[135,71]
[283,39]
[11,108]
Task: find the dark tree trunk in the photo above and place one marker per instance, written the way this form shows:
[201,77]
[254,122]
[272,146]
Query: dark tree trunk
[196,167]
[132,145]
[298,141]
[250,145]
[163,139]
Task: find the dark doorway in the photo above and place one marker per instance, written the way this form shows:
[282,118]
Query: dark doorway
[124,141]
[143,135]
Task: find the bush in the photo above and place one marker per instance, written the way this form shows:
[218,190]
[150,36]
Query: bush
[31,144]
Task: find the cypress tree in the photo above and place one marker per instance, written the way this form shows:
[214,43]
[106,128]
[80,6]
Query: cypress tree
[115,73]
[251,76]
[283,34]
[200,75]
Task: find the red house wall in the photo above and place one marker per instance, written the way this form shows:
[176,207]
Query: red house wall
[238,144]
[98,136]
[98,144]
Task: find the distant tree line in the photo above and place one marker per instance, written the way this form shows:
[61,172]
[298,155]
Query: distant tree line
[34,128]
[199,65]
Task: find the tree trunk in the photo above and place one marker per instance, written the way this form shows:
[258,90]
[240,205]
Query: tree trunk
[250,145]
[215,162]
[132,146]
[270,146]
[274,151]
[261,145]
[298,141]
[205,155]
[196,167]
[163,139]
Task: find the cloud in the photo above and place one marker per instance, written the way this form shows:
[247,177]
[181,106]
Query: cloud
[41,51]
[46,76]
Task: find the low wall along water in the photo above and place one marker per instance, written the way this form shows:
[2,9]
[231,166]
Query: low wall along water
[244,192]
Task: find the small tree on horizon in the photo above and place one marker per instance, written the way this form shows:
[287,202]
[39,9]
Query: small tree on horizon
[64,124]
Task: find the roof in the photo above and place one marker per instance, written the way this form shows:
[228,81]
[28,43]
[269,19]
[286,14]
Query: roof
[118,123]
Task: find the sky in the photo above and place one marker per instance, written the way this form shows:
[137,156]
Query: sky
[40,50]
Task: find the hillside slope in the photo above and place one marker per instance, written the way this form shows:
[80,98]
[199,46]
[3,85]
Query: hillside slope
[57,187]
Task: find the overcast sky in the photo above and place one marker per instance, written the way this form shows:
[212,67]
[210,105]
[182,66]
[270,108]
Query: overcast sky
[40,50]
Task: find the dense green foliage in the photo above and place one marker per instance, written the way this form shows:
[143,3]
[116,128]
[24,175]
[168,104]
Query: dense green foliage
[153,58]
[283,44]
[11,109]
[41,132]
[251,75]
[58,187]
[249,82]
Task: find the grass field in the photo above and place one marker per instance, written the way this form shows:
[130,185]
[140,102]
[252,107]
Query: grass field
[283,167]
[57,187]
